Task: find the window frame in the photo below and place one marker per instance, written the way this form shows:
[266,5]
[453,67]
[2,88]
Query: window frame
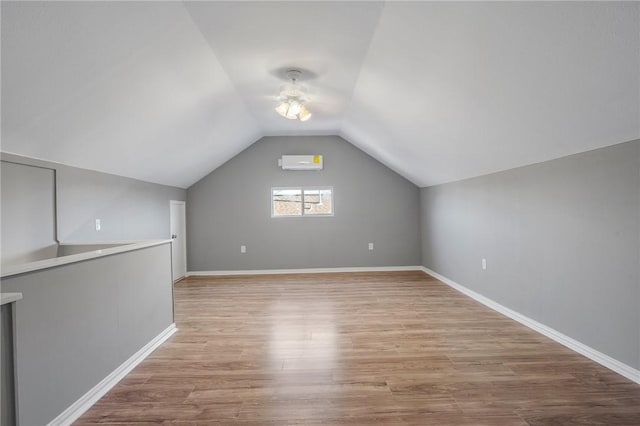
[302,190]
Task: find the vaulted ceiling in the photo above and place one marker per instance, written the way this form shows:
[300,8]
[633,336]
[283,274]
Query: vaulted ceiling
[438,91]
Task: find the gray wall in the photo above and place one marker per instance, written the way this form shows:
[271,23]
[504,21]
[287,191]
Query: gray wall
[69,249]
[561,239]
[78,322]
[231,207]
[129,209]
[28,213]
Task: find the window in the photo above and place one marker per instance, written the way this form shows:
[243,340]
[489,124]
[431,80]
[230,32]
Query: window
[296,202]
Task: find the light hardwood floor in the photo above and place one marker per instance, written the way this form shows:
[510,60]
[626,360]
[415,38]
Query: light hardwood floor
[357,349]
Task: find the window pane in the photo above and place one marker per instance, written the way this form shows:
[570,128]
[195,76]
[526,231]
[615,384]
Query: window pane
[318,201]
[287,202]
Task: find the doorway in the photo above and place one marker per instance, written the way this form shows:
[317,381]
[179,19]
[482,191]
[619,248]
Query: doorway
[178,235]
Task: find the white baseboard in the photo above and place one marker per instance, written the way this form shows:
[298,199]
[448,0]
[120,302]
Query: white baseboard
[78,408]
[602,359]
[305,270]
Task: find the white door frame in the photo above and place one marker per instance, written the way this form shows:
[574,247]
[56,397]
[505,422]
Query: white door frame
[183,237]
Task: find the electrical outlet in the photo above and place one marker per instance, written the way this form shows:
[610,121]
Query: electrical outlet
[243,249]
[484,264]
[370,246]
[98,225]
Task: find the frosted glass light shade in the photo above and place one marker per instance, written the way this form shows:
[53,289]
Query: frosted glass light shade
[282,109]
[304,113]
[293,109]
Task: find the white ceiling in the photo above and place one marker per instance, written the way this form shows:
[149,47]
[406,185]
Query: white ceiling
[440,91]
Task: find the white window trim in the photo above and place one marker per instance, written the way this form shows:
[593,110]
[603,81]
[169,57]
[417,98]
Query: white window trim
[302,189]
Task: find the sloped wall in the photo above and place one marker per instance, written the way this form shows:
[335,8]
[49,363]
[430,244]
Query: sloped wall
[231,207]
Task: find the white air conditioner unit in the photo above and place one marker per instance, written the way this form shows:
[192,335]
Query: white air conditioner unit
[300,162]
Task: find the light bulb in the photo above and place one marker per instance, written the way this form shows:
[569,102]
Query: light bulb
[294,109]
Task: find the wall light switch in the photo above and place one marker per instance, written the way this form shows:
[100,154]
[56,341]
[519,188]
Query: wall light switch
[484,264]
[98,225]
[370,246]
[243,249]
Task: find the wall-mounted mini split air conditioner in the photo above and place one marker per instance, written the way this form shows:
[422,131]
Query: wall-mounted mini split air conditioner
[300,162]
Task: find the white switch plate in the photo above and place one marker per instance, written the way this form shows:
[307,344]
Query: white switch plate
[370,246]
[484,264]
[243,249]
[98,225]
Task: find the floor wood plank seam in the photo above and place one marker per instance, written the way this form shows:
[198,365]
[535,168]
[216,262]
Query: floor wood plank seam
[374,348]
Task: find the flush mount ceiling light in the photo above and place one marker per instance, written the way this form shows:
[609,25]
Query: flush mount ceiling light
[292,99]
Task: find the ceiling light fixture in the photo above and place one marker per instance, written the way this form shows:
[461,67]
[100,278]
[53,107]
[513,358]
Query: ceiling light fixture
[292,99]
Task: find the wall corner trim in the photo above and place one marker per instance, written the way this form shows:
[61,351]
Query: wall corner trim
[576,346]
[78,408]
[304,271]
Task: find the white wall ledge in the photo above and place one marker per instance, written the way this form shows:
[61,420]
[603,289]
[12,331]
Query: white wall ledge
[10,270]
[6,298]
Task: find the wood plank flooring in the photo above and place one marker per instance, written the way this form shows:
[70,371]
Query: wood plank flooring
[357,349]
